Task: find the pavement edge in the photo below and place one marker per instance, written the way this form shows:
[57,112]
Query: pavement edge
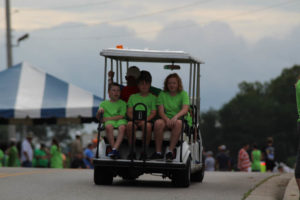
[291,191]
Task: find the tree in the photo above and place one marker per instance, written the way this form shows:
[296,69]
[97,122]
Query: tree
[257,111]
[210,128]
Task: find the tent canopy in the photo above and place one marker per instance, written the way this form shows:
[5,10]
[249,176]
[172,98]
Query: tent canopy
[28,94]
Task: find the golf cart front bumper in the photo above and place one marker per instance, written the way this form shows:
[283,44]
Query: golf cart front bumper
[147,166]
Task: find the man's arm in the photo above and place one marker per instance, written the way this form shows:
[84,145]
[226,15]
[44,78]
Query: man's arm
[152,115]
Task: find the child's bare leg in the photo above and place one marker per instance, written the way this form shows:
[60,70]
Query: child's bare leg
[110,134]
[121,133]
[149,133]
[129,132]
[159,127]
[175,134]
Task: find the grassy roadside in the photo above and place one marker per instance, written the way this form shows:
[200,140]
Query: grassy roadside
[257,185]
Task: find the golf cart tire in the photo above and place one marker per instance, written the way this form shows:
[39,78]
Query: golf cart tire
[103,176]
[182,178]
[198,176]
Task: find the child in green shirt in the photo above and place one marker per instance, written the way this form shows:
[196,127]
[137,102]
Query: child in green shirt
[144,96]
[1,158]
[172,103]
[41,156]
[56,160]
[256,158]
[13,154]
[114,111]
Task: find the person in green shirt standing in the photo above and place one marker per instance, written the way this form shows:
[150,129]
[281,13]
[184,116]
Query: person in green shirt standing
[114,112]
[1,158]
[297,169]
[145,97]
[13,154]
[173,103]
[256,158]
[41,156]
[56,156]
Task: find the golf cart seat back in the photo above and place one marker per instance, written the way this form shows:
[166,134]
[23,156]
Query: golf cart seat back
[139,135]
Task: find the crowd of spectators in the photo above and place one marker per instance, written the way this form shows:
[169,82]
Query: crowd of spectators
[39,155]
[249,158]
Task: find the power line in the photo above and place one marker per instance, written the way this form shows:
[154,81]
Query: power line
[143,15]
[80,5]
[264,8]
[182,26]
[161,11]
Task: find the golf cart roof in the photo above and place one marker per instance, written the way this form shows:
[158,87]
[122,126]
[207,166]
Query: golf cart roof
[136,55]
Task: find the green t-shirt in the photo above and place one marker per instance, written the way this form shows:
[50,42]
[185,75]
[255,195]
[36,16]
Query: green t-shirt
[298,98]
[149,101]
[112,109]
[56,157]
[173,104]
[256,154]
[1,157]
[13,160]
[40,162]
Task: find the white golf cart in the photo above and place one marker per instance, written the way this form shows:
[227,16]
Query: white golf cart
[188,165]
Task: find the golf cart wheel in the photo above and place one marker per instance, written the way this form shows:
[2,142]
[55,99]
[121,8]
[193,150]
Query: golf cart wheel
[199,175]
[103,176]
[182,178]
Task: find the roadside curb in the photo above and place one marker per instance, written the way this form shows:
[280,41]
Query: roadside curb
[272,188]
[291,191]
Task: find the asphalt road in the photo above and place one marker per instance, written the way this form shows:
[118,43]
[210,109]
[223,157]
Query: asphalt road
[67,184]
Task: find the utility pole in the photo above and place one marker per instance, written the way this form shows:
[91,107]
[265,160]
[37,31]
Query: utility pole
[8,35]
[11,128]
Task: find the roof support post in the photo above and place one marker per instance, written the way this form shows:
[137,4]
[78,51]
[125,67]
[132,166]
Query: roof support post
[117,70]
[111,68]
[105,72]
[121,75]
[190,80]
[198,90]
[194,80]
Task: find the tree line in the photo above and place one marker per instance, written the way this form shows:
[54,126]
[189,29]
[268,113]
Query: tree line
[256,112]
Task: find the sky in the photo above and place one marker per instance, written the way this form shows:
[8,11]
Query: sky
[248,40]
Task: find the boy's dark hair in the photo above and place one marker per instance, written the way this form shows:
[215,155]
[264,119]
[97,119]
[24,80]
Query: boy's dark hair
[254,145]
[269,140]
[113,84]
[145,76]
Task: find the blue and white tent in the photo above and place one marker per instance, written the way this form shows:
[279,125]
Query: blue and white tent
[29,93]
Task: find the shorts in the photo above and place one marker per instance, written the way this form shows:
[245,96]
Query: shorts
[270,164]
[116,124]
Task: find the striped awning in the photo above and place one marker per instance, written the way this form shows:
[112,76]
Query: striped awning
[27,92]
